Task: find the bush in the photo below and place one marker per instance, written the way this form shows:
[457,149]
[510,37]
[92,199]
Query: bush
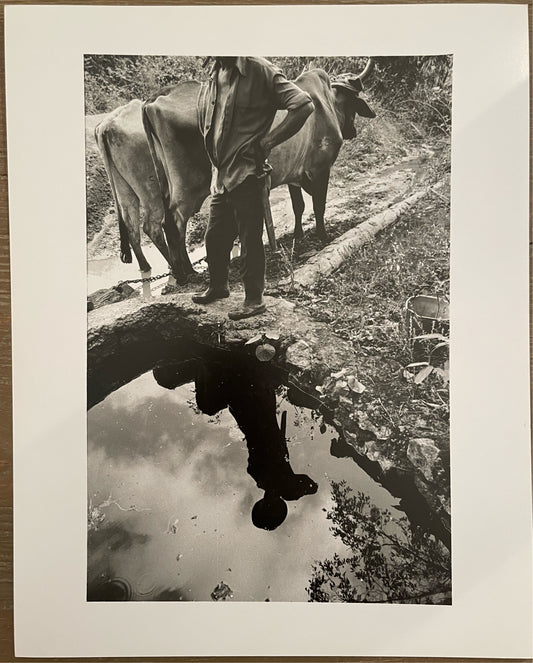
[113,80]
[98,194]
[416,88]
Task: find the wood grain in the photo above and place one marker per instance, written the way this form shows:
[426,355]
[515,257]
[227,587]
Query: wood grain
[6,511]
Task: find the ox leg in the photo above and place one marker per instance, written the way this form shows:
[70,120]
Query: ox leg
[131,216]
[174,241]
[320,190]
[298,207]
[153,228]
[146,288]
[175,227]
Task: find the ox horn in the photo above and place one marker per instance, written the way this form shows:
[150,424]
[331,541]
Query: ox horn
[366,71]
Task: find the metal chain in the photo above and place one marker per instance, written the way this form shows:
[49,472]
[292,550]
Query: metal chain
[145,280]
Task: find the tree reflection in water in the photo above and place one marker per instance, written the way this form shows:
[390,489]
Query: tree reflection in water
[389,561]
[249,391]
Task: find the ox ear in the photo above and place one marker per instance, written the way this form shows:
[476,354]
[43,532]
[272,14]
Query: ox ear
[348,82]
[362,108]
[354,83]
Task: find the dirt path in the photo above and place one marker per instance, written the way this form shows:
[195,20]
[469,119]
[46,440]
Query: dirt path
[351,199]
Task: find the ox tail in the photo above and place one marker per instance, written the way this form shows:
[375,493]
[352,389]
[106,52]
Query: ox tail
[103,146]
[151,137]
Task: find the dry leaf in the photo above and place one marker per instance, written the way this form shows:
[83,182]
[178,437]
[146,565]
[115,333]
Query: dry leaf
[355,385]
[339,374]
[423,374]
[265,352]
[254,339]
[431,337]
[416,364]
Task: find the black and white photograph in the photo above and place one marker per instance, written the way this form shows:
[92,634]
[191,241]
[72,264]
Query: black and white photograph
[268,328]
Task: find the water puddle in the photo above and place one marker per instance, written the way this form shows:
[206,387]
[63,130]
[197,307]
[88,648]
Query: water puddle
[183,507]
[104,269]
[107,272]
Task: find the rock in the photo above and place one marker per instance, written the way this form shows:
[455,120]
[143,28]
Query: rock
[299,355]
[381,432]
[373,452]
[423,453]
[110,296]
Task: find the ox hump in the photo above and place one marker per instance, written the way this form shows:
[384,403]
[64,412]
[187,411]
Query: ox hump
[176,105]
[314,81]
[124,120]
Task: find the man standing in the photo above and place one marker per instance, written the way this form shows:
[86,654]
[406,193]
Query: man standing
[236,111]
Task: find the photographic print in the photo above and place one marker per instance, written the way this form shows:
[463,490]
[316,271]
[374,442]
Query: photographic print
[268,328]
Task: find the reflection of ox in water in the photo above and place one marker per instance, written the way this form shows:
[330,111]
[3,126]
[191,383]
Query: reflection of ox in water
[172,192]
[251,398]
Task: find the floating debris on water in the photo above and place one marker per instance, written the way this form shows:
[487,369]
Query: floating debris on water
[172,528]
[221,592]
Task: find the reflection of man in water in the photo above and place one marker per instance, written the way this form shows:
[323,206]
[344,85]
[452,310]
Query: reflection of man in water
[251,398]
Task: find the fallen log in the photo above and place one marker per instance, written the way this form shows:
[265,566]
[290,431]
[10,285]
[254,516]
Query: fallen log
[334,254]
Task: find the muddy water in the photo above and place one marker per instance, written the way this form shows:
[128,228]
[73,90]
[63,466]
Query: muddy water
[171,502]
[107,272]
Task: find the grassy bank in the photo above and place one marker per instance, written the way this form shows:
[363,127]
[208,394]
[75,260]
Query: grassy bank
[364,303]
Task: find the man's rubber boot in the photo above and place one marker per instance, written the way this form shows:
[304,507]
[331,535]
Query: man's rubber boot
[246,311]
[210,295]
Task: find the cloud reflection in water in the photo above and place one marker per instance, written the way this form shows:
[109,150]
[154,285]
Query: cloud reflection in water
[149,448]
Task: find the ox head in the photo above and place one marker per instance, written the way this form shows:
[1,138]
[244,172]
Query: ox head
[348,102]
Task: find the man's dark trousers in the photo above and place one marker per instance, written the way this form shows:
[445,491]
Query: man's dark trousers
[232,213]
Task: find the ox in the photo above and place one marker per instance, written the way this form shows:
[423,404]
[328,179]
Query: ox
[122,143]
[304,161]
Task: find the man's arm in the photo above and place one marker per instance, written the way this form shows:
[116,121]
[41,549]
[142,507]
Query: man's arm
[292,123]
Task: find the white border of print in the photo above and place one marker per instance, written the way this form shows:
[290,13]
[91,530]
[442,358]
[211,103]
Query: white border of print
[491,615]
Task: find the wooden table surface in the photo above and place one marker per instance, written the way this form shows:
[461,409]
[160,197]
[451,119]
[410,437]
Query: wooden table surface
[6,484]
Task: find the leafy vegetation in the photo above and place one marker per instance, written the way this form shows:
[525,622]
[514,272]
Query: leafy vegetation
[113,80]
[98,193]
[363,302]
[416,89]
[388,561]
